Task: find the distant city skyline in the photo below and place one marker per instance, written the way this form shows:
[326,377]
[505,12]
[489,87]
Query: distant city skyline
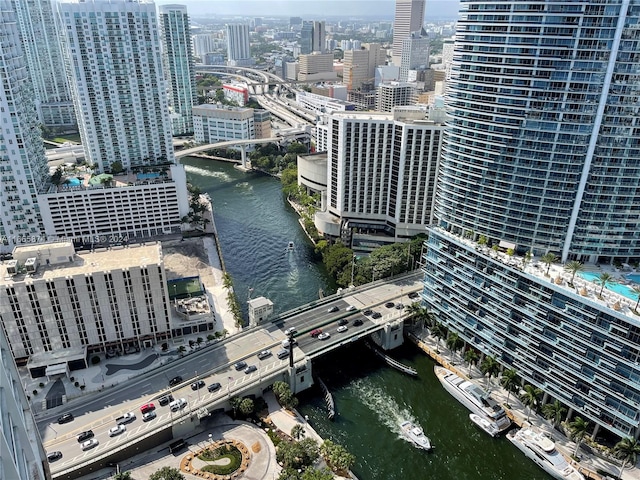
[383,9]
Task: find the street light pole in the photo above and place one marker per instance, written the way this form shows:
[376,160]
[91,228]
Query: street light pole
[353,266]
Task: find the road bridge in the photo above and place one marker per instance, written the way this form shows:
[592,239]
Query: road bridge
[215,363]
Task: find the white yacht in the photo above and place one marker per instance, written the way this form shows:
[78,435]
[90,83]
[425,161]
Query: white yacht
[487,425]
[415,435]
[473,397]
[542,451]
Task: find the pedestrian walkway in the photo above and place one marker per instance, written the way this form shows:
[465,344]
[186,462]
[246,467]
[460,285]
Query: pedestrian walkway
[589,463]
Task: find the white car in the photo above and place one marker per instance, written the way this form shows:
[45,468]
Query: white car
[351,308]
[323,336]
[89,444]
[342,328]
[178,404]
[148,416]
[117,430]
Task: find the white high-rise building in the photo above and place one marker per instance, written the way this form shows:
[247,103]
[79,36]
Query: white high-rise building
[23,165]
[23,457]
[415,54]
[318,38]
[179,68]
[43,55]
[238,45]
[394,94]
[409,18]
[113,50]
[204,43]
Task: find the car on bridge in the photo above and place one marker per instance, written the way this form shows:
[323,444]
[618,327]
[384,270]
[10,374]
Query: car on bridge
[367,312]
[342,328]
[240,365]
[315,332]
[264,354]
[175,381]
[343,321]
[166,400]
[324,336]
[333,309]
[150,415]
[86,435]
[413,295]
[250,368]
[290,331]
[53,456]
[65,418]
[376,315]
[357,322]
[117,430]
[389,304]
[214,386]
[89,444]
[126,418]
[178,404]
[350,308]
[282,354]
[197,385]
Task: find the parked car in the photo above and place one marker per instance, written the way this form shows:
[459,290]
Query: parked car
[290,331]
[323,336]
[333,309]
[86,435]
[316,332]
[264,354]
[367,312]
[214,386]
[126,418]
[65,418]
[150,415]
[197,385]
[175,381]
[282,354]
[357,322]
[147,407]
[343,321]
[178,404]
[342,328]
[250,368]
[389,304]
[414,295]
[240,365]
[53,456]
[166,400]
[376,315]
[117,430]
[89,444]
[399,306]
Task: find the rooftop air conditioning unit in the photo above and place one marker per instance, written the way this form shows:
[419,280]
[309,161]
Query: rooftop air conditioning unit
[31,265]
[12,267]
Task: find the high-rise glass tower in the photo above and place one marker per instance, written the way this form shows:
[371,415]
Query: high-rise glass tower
[43,55]
[177,56]
[542,155]
[118,86]
[23,165]
[408,18]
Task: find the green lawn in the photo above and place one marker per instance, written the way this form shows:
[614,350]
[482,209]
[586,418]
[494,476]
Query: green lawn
[75,138]
[185,287]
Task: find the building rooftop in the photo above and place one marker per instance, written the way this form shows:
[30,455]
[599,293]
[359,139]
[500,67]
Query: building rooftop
[113,258]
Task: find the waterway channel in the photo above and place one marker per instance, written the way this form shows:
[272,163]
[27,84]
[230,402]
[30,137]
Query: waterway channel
[255,225]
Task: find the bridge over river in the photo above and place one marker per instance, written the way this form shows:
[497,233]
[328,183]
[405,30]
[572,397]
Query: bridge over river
[215,364]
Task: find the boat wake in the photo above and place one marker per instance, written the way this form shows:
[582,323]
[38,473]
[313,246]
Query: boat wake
[206,173]
[387,410]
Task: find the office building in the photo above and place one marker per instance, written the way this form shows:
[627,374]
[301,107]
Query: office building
[318,38]
[179,67]
[316,66]
[306,38]
[236,92]
[321,104]
[23,165]
[415,56]
[380,175]
[118,86]
[295,23]
[394,94]
[355,70]
[43,55]
[238,45]
[262,123]
[23,457]
[542,155]
[60,305]
[204,43]
[218,123]
[409,17]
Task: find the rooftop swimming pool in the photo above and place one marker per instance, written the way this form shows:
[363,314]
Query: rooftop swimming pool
[615,287]
[147,176]
[73,181]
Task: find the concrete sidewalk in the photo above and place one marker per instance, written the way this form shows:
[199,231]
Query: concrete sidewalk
[589,462]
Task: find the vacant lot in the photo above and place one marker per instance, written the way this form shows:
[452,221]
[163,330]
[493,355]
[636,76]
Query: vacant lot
[187,258]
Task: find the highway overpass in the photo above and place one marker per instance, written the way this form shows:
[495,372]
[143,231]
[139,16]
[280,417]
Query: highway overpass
[215,364]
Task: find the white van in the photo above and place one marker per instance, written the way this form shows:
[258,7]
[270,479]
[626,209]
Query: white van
[178,404]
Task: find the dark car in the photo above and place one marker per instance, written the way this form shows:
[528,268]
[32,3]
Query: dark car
[214,386]
[86,435]
[367,312]
[175,381]
[376,315]
[413,295]
[343,321]
[240,365]
[399,306]
[65,418]
[250,368]
[357,322]
[53,456]
[333,309]
[389,304]
[197,385]
[166,400]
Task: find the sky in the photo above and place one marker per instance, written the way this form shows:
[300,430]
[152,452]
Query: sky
[435,9]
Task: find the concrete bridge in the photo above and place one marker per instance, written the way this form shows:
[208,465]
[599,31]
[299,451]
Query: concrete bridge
[99,414]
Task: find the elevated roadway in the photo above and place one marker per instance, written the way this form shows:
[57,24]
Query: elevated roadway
[215,363]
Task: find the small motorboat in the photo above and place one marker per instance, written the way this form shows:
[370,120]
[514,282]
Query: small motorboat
[415,435]
[290,246]
[485,424]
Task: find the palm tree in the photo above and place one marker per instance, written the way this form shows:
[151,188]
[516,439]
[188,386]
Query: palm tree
[627,450]
[573,268]
[578,430]
[530,398]
[555,412]
[527,258]
[471,357]
[420,314]
[482,240]
[604,280]
[454,342]
[548,259]
[297,431]
[636,290]
[489,368]
[510,382]
[439,332]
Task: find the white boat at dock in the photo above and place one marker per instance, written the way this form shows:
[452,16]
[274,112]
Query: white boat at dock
[473,397]
[415,435]
[487,425]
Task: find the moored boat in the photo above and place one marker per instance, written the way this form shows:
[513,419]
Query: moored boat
[542,450]
[473,397]
[487,425]
[415,435]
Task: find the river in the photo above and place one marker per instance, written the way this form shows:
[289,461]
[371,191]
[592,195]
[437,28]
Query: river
[255,225]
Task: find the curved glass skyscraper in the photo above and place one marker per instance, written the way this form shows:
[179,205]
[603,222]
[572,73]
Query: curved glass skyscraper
[543,149]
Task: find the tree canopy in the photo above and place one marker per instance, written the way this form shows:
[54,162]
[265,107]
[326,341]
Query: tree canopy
[167,473]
